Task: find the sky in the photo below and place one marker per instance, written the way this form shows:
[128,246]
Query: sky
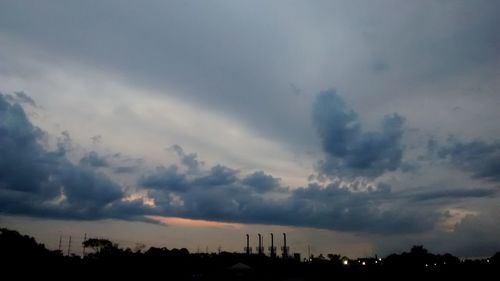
[357,127]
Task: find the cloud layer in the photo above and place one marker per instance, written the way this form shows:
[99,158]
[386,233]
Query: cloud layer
[480,158]
[220,194]
[38,182]
[348,149]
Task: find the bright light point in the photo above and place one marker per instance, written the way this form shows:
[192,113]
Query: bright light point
[345,262]
[363,263]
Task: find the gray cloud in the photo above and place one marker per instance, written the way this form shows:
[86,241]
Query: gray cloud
[45,183]
[220,194]
[168,178]
[474,236]
[218,176]
[57,188]
[261,181]
[348,149]
[117,163]
[454,194]
[21,97]
[37,182]
[480,158]
[186,46]
[125,169]
[190,160]
[341,209]
[94,160]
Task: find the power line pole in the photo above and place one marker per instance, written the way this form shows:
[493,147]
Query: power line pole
[60,241]
[69,245]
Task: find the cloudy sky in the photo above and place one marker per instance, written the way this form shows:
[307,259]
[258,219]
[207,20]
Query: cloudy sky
[358,127]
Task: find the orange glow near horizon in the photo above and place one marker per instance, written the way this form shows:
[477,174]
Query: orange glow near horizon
[195,223]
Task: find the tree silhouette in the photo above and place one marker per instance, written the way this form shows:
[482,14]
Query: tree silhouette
[98,245]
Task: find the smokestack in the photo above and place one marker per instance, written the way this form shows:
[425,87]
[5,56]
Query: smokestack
[285,248]
[259,250]
[272,249]
[247,249]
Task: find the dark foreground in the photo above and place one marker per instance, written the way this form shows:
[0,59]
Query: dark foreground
[21,256]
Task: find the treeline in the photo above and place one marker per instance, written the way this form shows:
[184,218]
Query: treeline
[23,255]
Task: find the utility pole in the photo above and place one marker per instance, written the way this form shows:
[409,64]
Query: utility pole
[60,241]
[69,245]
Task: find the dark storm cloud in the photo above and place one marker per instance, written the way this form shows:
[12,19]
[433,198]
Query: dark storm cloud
[478,157]
[334,207]
[261,181]
[220,194]
[454,194]
[37,182]
[348,149]
[218,176]
[169,178]
[125,169]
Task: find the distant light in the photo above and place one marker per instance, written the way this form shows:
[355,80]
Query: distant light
[379,259]
[363,263]
[444,263]
[435,264]
[376,261]
[488,260]
[345,262]
[426,265]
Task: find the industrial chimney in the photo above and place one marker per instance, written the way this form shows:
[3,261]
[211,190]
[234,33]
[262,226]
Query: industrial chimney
[285,247]
[260,249]
[248,250]
[272,249]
